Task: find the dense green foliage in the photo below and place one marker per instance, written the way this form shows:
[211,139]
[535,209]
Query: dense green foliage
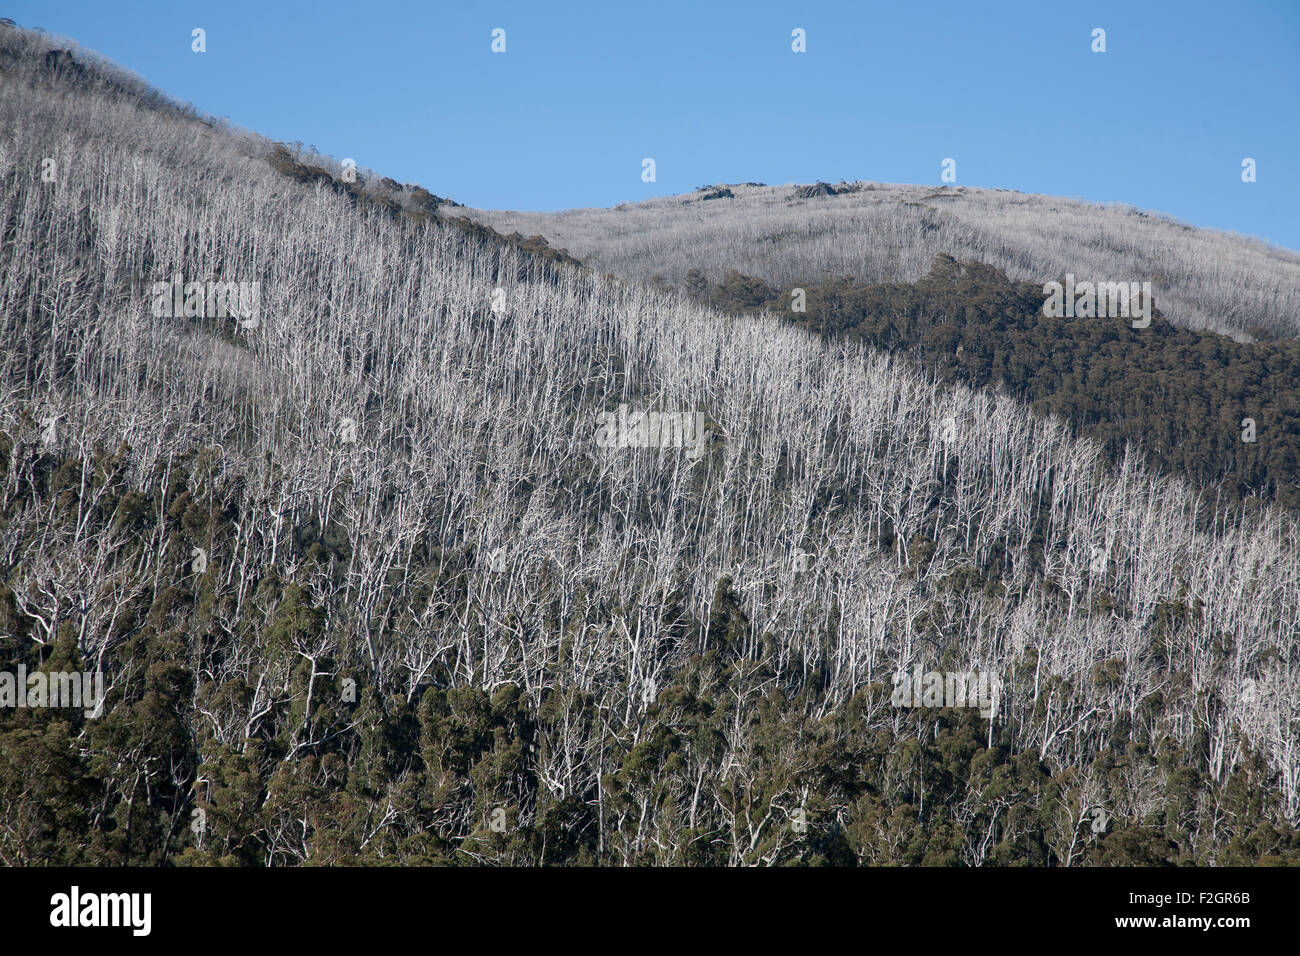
[1181,395]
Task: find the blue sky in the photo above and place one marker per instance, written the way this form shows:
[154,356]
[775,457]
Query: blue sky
[712,91]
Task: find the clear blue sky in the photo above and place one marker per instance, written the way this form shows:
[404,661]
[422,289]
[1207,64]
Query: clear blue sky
[712,91]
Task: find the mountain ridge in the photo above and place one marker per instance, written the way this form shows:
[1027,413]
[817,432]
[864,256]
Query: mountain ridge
[876,232]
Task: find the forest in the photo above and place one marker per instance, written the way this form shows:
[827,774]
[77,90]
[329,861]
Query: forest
[366,588]
[791,236]
[1179,395]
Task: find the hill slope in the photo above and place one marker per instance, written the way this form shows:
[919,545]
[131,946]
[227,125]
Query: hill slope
[368,582]
[877,232]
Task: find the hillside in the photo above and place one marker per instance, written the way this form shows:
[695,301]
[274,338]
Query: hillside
[878,232]
[370,581]
[1206,391]
[1221,414]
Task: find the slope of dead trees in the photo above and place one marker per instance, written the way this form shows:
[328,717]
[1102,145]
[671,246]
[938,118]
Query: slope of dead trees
[385,496]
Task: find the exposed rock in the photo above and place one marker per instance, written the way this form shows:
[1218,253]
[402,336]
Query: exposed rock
[825,189]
